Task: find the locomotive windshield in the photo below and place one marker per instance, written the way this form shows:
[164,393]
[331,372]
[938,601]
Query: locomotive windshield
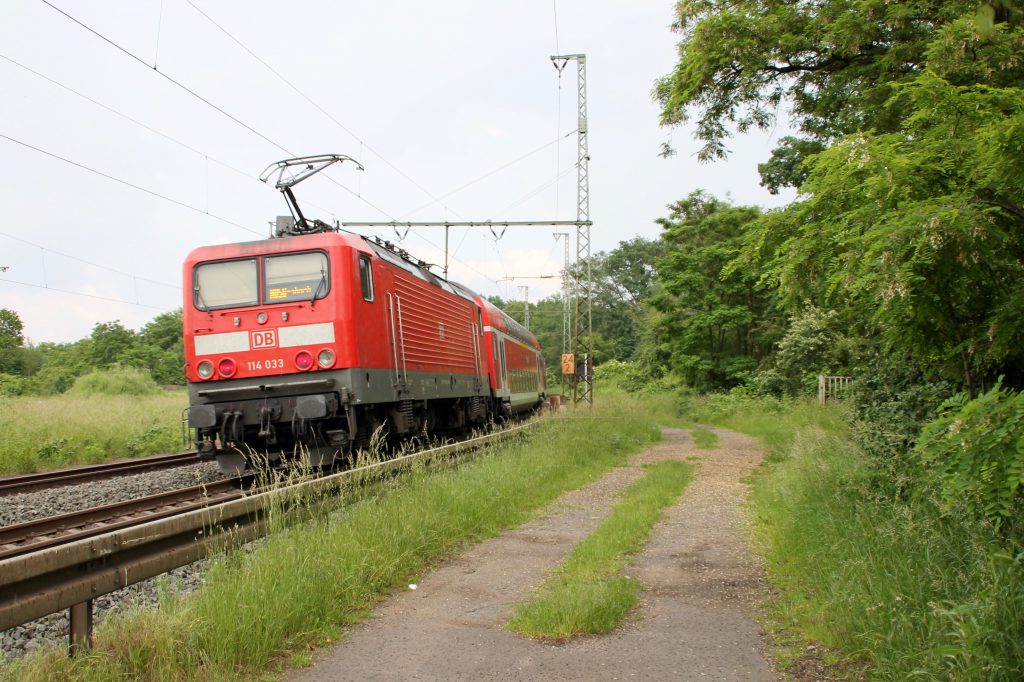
[226,284]
[285,278]
[295,277]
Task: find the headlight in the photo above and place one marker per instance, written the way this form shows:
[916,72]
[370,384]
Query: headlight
[325,358]
[205,369]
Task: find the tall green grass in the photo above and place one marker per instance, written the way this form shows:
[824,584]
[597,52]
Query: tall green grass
[673,410]
[879,569]
[773,421]
[48,433]
[587,594]
[299,586]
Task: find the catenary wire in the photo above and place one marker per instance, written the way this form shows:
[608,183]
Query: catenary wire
[145,126]
[554,7]
[88,262]
[128,184]
[164,75]
[558,116]
[79,293]
[319,108]
[538,189]
[206,101]
[217,108]
[496,170]
[436,199]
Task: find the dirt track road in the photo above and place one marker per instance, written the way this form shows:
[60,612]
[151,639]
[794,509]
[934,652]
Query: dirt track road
[694,622]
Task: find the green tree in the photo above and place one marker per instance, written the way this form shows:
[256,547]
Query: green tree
[61,364]
[714,325]
[911,213]
[11,328]
[159,349]
[834,63]
[623,279]
[922,230]
[110,340]
[164,331]
[787,166]
[11,341]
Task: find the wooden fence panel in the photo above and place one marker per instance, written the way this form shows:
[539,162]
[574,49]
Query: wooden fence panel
[832,388]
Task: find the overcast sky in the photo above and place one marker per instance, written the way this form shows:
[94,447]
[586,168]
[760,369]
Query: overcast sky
[428,96]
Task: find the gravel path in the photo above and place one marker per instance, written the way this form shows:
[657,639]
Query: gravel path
[42,503]
[694,623]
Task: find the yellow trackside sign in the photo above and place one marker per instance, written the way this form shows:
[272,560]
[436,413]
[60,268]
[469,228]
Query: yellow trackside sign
[568,363]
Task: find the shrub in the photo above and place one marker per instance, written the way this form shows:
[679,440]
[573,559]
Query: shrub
[892,398]
[115,381]
[11,385]
[978,449]
[811,346]
[632,377]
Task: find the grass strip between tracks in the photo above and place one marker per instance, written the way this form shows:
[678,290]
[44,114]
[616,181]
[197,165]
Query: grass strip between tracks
[587,594]
[271,603]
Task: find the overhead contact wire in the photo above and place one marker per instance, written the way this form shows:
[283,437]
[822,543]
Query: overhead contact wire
[87,262]
[79,293]
[167,77]
[498,169]
[144,126]
[319,108]
[128,184]
[202,99]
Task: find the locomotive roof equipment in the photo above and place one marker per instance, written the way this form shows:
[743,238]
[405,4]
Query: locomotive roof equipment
[291,172]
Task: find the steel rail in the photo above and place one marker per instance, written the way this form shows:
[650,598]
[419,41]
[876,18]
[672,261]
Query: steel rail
[71,574]
[92,472]
[50,531]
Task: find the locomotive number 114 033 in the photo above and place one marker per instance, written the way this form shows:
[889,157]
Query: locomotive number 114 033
[273,363]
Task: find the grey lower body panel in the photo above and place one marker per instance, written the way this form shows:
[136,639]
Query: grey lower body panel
[363,386]
[331,409]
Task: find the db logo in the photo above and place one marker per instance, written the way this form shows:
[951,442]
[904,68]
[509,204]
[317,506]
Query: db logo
[264,338]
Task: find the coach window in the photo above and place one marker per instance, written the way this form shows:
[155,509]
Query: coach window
[366,277]
[295,277]
[225,284]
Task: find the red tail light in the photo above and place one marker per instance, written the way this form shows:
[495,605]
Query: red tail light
[227,367]
[303,360]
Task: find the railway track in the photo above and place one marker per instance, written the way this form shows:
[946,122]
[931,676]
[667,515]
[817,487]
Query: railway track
[66,561]
[53,531]
[50,479]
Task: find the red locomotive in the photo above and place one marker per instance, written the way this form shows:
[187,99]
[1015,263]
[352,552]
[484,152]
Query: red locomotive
[316,339]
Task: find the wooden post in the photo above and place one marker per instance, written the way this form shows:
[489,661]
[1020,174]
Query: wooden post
[821,389]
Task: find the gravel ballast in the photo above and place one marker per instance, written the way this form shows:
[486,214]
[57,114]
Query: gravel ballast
[64,499]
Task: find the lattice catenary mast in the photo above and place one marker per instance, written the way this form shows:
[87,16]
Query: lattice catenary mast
[583,330]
